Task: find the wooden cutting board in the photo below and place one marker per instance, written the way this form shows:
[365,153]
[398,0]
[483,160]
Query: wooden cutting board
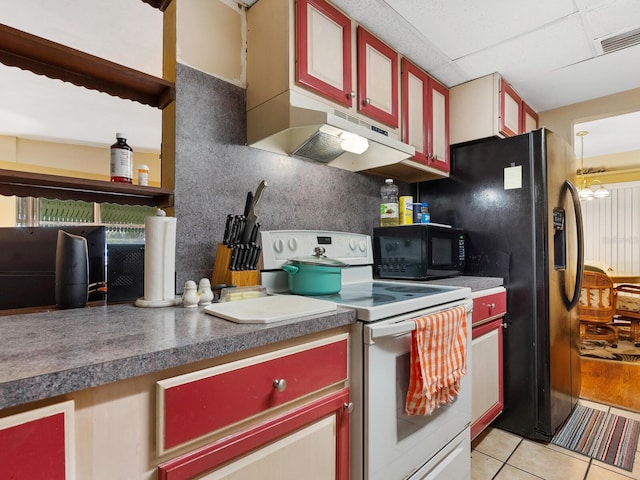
[270,309]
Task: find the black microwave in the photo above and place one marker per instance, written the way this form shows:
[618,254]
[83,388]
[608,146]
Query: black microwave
[420,251]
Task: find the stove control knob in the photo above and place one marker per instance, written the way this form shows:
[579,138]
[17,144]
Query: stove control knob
[293,243]
[363,246]
[353,244]
[278,246]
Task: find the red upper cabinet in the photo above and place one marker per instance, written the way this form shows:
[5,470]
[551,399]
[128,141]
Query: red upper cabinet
[510,110]
[324,63]
[323,42]
[377,79]
[425,116]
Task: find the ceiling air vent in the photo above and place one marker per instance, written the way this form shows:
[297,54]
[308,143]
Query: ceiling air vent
[620,41]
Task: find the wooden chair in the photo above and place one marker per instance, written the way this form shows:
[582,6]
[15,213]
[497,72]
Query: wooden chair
[596,308]
[628,309]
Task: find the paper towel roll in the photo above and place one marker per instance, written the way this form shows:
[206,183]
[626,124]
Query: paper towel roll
[159,262]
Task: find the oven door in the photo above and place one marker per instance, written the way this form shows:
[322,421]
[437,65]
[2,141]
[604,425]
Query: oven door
[397,446]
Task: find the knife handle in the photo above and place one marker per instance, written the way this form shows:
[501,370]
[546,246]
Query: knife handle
[254,232]
[234,258]
[227,229]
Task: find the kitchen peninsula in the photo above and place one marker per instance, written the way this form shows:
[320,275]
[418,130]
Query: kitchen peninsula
[61,351]
[103,372]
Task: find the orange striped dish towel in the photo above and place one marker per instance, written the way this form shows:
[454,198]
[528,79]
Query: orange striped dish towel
[438,360]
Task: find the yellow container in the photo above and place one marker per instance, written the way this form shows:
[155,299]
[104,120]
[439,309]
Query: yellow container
[405,208]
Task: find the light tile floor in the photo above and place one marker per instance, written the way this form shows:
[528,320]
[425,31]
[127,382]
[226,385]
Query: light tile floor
[500,455]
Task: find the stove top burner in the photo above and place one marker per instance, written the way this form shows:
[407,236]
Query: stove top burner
[370,295]
[355,298]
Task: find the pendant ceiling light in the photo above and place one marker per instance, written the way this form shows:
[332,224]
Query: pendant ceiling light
[586,189]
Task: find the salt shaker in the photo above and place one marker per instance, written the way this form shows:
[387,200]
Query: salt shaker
[190,295]
[205,292]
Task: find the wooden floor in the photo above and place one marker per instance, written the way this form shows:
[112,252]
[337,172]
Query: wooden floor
[611,382]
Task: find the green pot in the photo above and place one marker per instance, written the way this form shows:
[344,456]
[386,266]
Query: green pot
[315,275]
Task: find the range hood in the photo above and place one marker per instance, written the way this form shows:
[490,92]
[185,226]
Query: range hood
[297,125]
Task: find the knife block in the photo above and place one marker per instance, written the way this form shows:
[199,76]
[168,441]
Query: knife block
[222,273]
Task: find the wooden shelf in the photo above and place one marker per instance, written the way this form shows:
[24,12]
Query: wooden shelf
[27,184]
[44,57]
[159,4]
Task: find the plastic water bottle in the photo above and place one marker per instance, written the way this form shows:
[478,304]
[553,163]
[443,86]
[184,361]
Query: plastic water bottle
[388,203]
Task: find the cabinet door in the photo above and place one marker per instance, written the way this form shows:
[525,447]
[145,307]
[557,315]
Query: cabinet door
[311,441]
[486,375]
[425,116]
[323,42]
[377,79]
[38,444]
[510,107]
[438,125]
[414,109]
[529,119]
[252,387]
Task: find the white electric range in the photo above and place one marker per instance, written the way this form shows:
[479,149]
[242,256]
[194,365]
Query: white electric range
[386,444]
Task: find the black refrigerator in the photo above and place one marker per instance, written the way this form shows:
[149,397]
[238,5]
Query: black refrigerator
[523,223]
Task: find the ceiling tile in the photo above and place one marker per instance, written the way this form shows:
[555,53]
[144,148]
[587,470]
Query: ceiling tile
[583,81]
[549,48]
[461,27]
[612,17]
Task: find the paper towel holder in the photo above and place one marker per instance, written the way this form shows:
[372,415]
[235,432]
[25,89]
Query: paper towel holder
[160,232]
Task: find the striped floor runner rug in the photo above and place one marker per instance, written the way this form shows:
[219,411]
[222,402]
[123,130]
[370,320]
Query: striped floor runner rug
[603,436]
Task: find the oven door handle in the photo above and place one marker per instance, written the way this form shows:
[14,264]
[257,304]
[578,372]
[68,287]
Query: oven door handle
[372,333]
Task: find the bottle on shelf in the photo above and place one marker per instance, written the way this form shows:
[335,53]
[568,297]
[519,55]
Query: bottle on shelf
[121,160]
[143,175]
[389,203]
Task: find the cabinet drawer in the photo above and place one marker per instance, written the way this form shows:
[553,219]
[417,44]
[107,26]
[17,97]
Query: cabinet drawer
[39,444]
[198,403]
[489,304]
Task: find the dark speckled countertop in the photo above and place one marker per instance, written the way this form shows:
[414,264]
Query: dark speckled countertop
[474,283]
[51,353]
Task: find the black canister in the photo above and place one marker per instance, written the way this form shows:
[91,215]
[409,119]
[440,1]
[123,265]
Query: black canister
[72,271]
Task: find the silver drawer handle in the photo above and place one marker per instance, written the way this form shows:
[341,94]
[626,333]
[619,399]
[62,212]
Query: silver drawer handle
[367,101]
[280,384]
[348,407]
[351,94]
[491,306]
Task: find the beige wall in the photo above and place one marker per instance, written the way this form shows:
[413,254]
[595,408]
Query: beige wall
[211,37]
[68,160]
[562,120]
[7,211]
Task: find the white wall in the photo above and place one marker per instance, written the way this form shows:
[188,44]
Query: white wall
[612,228]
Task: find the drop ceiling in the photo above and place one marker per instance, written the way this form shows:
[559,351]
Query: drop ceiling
[549,50]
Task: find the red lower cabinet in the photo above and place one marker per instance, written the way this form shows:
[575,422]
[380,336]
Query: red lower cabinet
[489,306]
[38,444]
[310,442]
[283,415]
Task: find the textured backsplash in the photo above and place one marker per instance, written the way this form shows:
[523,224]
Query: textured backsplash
[215,170]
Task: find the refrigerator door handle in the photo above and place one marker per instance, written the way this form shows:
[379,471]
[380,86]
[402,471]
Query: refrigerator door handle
[580,236]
